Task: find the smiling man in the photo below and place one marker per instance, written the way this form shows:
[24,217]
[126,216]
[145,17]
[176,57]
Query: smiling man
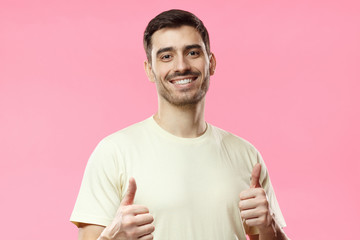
[173,175]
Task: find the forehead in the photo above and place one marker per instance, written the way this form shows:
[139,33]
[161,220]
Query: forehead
[176,38]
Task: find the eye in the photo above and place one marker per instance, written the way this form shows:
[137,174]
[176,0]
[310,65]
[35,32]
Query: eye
[166,57]
[194,53]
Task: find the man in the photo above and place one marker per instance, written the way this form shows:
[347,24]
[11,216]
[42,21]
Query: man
[174,176]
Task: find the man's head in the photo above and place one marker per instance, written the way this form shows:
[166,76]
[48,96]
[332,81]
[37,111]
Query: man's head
[179,57]
[173,19]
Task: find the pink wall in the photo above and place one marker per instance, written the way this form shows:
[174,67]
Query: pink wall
[287,80]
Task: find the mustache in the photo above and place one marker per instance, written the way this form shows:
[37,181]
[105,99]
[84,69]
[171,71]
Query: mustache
[182,74]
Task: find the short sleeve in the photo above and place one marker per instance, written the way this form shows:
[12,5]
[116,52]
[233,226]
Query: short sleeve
[101,187]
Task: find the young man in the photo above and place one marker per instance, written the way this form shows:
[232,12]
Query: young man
[174,176]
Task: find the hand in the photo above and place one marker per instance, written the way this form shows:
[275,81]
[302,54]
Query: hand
[253,203]
[131,221]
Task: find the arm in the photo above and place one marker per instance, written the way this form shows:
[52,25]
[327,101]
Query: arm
[89,231]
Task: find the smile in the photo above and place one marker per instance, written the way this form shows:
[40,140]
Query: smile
[183,81]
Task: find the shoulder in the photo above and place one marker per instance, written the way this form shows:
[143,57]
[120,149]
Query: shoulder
[129,134]
[232,141]
[113,146]
[242,151]
[116,143]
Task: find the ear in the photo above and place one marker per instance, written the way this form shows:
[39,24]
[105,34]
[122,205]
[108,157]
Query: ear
[149,72]
[212,64]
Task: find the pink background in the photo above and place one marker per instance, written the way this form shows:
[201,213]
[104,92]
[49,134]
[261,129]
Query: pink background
[287,79]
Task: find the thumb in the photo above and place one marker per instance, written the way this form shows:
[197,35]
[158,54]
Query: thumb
[130,194]
[255,176]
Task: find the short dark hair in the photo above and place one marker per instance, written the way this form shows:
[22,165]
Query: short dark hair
[174,18]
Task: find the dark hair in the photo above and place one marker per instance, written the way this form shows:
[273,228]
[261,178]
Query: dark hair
[173,19]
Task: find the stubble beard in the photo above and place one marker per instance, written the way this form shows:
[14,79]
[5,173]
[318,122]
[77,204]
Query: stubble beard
[186,98]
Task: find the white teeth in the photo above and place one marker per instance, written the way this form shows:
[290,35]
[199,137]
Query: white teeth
[183,81]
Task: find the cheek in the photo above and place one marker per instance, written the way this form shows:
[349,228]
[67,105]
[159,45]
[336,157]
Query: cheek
[202,66]
[163,73]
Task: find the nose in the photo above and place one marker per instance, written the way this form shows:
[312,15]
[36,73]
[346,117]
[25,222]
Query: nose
[181,64]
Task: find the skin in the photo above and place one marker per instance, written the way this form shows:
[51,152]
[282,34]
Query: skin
[178,54]
[180,108]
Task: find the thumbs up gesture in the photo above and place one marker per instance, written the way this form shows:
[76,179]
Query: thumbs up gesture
[253,203]
[131,221]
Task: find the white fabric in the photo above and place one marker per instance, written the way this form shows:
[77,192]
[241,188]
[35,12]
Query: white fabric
[190,185]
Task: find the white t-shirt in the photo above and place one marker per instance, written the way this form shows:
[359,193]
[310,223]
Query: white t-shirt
[190,185]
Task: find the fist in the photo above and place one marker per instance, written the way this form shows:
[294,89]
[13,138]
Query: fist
[254,206]
[131,221]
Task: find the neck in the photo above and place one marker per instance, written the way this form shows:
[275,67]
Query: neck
[182,121]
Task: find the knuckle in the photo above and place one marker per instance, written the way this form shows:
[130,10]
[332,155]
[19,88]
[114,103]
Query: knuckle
[262,221]
[125,224]
[151,219]
[128,221]
[263,202]
[249,223]
[145,208]
[242,194]
[126,210]
[121,211]
[258,191]
[131,234]
[264,212]
[262,192]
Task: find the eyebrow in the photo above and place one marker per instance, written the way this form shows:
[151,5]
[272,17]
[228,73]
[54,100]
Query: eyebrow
[197,46]
[161,50]
[168,49]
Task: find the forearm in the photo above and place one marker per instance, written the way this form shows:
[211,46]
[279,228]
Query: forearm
[89,231]
[111,232]
[104,237]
